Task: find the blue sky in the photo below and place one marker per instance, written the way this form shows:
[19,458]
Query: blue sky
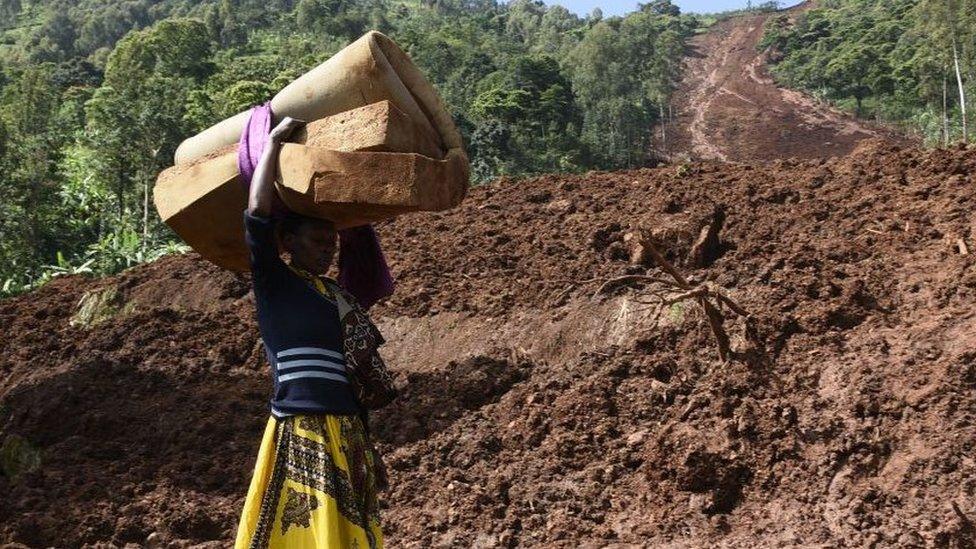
[620,7]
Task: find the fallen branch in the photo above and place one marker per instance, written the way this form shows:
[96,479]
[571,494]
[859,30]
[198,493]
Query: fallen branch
[691,294]
[565,292]
[627,278]
[717,323]
[664,263]
[708,295]
[738,309]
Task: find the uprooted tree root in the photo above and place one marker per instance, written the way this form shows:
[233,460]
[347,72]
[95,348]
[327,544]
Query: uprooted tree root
[712,298]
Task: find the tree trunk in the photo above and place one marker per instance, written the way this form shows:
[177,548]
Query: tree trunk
[962,91]
[664,131]
[145,211]
[945,106]
[120,191]
[613,144]
[35,153]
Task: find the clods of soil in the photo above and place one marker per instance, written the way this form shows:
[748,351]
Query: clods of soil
[535,410]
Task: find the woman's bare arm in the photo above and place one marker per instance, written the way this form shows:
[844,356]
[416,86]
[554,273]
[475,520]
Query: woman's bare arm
[262,191]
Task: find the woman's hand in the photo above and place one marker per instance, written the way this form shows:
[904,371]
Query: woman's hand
[262,193]
[285,128]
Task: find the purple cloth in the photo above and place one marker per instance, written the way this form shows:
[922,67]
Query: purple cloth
[253,139]
[249,149]
[363,270]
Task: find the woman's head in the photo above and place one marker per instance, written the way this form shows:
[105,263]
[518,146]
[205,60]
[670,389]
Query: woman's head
[310,241]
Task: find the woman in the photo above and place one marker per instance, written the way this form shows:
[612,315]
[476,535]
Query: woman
[314,484]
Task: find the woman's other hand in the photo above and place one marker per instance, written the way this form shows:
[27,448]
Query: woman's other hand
[285,128]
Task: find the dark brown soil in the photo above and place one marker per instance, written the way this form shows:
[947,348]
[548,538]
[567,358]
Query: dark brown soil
[534,414]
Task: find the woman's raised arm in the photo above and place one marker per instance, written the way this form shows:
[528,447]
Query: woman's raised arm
[262,192]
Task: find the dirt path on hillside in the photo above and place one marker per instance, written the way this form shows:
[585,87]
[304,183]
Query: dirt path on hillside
[729,108]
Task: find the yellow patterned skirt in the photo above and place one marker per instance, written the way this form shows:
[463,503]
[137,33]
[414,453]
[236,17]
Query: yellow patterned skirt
[314,487]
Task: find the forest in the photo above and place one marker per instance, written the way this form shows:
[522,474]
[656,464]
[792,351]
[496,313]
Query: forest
[95,95]
[909,63]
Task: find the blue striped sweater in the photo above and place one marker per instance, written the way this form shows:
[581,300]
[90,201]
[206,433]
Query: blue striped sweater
[301,331]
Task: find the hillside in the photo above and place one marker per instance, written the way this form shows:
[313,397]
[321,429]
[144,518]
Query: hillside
[547,401]
[908,63]
[729,108]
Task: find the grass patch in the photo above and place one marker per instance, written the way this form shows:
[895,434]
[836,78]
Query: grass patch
[18,456]
[97,306]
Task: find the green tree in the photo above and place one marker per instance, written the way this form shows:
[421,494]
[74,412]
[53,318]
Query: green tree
[137,118]
[30,144]
[9,10]
[114,86]
[891,59]
[661,7]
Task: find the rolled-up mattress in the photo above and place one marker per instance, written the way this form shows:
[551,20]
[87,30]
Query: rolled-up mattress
[371,69]
[380,143]
[357,167]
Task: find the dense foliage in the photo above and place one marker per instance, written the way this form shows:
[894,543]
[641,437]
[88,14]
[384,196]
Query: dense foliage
[95,95]
[893,60]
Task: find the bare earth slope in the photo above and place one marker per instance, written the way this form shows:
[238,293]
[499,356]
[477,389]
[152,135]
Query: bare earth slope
[729,108]
[535,414]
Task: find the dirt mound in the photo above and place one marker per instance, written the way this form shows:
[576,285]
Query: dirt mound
[125,411]
[729,108]
[534,411]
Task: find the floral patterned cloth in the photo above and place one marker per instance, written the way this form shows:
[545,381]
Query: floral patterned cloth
[314,487]
[371,381]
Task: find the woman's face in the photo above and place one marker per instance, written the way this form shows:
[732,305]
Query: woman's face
[312,246]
